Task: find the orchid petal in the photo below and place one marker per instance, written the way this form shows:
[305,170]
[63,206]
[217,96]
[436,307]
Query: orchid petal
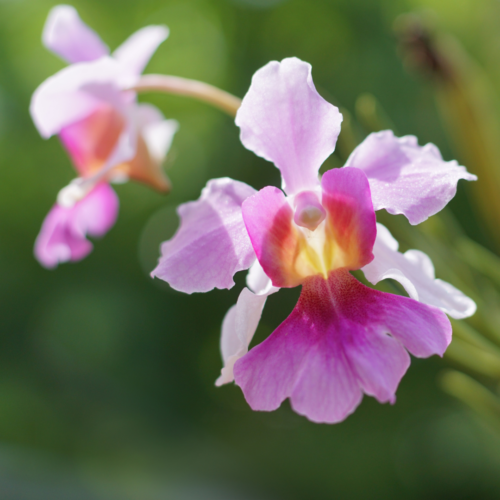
[242,319]
[211,244]
[258,281]
[125,147]
[96,214]
[238,329]
[91,140]
[284,120]
[91,143]
[77,91]
[155,135]
[406,178]
[351,223]
[69,37]
[157,132]
[277,241]
[137,50]
[335,346]
[63,234]
[414,270]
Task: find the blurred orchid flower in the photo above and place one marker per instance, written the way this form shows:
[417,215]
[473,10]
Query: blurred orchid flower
[109,136]
[343,338]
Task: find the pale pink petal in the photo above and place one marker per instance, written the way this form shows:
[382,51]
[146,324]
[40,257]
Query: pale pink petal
[147,114]
[284,120]
[414,270]
[55,243]
[157,132]
[64,230]
[342,339]
[211,244]
[77,91]
[96,214]
[238,329]
[233,342]
[406,178]
[137,50]
[242,319]
[69,37]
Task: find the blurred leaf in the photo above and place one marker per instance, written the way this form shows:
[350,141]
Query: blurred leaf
[473,394]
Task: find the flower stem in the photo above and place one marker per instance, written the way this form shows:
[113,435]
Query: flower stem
[192,88]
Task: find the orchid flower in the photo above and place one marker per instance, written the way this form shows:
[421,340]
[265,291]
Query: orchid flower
[343,338]
[108,135]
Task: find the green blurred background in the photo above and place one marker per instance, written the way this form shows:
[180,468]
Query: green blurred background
[107,377]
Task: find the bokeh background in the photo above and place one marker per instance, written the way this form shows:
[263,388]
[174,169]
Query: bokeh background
[107,377]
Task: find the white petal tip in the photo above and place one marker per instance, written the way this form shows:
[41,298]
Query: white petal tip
[225,377]
[469,311]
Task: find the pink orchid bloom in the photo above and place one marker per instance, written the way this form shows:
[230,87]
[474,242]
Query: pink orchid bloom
[343,338]
[64,230]
[108,135]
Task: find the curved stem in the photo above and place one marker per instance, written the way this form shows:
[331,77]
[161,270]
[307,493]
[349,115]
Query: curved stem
[192,88]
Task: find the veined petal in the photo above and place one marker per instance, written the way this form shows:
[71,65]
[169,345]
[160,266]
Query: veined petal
[211,244]
[414,270]
[64,230]
[279,244]
[284,120]
[406,178]
[137,50]
[69,37]
[351,223]
[342,339]
[289,254]
[76,92]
